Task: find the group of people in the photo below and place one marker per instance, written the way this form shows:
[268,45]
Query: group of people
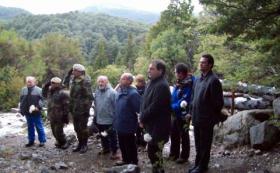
[129,115]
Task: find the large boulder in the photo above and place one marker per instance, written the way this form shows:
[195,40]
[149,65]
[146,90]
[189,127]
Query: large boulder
[264,135]
[276,107]
[235,130]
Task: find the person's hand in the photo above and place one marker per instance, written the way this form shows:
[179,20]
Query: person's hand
[183,104]
[141,125]
[32,108]
[188,117]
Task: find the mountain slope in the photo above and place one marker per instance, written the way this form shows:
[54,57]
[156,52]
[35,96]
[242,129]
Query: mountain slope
[10,12]
[136,15]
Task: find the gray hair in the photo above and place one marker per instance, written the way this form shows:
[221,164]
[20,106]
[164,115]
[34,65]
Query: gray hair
[102,77]
[129,76]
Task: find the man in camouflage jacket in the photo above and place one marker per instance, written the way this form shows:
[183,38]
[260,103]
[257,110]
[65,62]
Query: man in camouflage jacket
[80,102]
[58,109]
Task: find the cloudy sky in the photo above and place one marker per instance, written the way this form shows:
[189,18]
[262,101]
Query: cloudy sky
[62,6]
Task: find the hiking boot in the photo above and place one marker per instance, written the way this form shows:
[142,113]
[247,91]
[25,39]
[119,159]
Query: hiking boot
[181,160]
[29,144]
[64,146]
[77,148]
[41,144]
[103,152]
[83,149]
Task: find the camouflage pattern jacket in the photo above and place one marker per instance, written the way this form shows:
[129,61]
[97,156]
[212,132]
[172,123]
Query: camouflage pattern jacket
[58,104]
[81,96]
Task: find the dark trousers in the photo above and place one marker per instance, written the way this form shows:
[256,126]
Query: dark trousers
[58,133]
[109,143]
[180,135]
[155,156]
[128,148]
[140,137]
[80,127]
[203,136]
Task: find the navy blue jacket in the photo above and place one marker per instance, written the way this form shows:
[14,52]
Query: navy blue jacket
[35,98]
[179,94]
[127,105]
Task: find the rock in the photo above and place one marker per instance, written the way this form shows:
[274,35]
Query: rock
[235,130]
[60,165]
[276,108]
[257,152]
[130,168]
[71,139]
[275,168]
[264,135]
[25,156]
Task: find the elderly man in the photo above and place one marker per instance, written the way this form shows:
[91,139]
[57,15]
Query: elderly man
[105,97]
[155,113]
[127,107]
[58,106]
[80,102]
[31,102]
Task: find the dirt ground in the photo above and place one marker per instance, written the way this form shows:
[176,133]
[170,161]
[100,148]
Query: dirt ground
[45,159]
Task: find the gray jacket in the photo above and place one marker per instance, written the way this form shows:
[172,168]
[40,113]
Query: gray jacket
[105,105]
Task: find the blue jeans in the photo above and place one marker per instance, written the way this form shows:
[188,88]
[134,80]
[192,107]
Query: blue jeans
[35,121]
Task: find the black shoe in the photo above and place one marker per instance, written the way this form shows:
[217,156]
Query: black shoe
[64,146]
[78,148]
[58,145]
[29,144]
[104,152]
[120,163]
[192,168]
[199,169]
[41,144]
[181,160]
[83,149]
[172,158]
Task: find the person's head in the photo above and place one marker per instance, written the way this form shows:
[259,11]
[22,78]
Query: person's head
[102,82]
[78,70]
[126,79]
[181,71]
[206,63]
[55,82]
[156,69]
[30,81]
[140,80]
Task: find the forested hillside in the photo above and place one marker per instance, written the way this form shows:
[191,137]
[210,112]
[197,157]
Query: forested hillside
[243,38]
[9,13]
[132,14]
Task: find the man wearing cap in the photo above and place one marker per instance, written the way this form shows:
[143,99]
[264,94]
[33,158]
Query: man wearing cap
[31,103]
[80,102]
[58,106]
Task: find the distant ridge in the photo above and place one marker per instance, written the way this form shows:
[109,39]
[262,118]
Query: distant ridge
[132,14]
[7,13]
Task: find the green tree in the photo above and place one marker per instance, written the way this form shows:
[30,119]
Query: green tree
[59,53]
[101,58]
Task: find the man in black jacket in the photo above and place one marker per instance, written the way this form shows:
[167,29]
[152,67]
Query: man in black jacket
[155,113]
[206,106]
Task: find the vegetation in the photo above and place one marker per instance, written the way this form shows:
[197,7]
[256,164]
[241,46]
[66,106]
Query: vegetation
[243,37]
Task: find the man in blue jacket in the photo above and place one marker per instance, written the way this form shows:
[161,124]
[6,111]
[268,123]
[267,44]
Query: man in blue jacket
[126,121]
[31,103]
[180,100]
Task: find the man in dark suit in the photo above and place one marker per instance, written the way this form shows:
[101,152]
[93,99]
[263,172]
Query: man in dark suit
[155,113]
[206,106]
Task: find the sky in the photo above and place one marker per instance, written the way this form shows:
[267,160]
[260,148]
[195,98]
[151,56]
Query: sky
[62,6]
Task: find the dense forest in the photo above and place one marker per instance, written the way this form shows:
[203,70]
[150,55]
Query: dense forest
[243,36]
